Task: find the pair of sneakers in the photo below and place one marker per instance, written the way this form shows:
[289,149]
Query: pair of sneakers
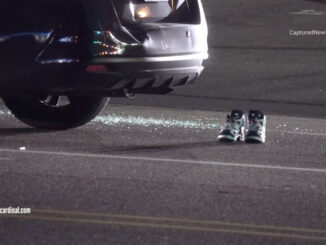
[234,129]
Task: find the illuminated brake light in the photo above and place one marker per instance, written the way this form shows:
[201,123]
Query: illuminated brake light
[96,68]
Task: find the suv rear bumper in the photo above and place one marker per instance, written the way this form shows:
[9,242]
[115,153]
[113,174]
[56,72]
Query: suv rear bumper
[156,59]
[156,75]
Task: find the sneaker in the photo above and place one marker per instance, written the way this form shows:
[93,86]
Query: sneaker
[257,127]
[234,129]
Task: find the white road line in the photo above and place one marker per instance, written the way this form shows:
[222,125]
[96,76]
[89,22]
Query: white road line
[305,133]
[297,133]
[308,12]
[167,160]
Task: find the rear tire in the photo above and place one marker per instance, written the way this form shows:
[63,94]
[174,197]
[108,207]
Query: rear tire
[46,112]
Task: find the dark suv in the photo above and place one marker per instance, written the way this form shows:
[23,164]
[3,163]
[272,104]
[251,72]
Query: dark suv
[61,59]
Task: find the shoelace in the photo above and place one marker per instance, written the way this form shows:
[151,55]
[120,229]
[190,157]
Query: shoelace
[255,125]
[232,125]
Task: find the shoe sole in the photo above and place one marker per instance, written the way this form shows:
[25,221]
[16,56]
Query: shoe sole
[225,138]
[255,140]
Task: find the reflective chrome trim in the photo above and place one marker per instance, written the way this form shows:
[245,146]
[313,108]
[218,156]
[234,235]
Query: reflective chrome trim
[58,61]
[198,56]
[200,68]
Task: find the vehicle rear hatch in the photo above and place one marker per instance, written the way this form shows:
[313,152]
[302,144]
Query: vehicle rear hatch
[135,12]
[164,27]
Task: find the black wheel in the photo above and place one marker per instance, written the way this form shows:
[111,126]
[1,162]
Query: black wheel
[54,111]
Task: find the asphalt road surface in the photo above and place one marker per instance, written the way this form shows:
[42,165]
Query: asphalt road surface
[150,170]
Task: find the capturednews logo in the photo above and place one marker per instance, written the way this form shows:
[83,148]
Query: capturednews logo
[307,33]
[15,210]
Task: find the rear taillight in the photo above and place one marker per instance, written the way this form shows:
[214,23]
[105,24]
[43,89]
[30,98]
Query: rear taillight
[97,69]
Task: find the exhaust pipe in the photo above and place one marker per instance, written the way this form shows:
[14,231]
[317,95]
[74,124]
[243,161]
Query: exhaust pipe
[129,94]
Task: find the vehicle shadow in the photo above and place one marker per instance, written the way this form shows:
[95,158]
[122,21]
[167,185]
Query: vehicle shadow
[21,131]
